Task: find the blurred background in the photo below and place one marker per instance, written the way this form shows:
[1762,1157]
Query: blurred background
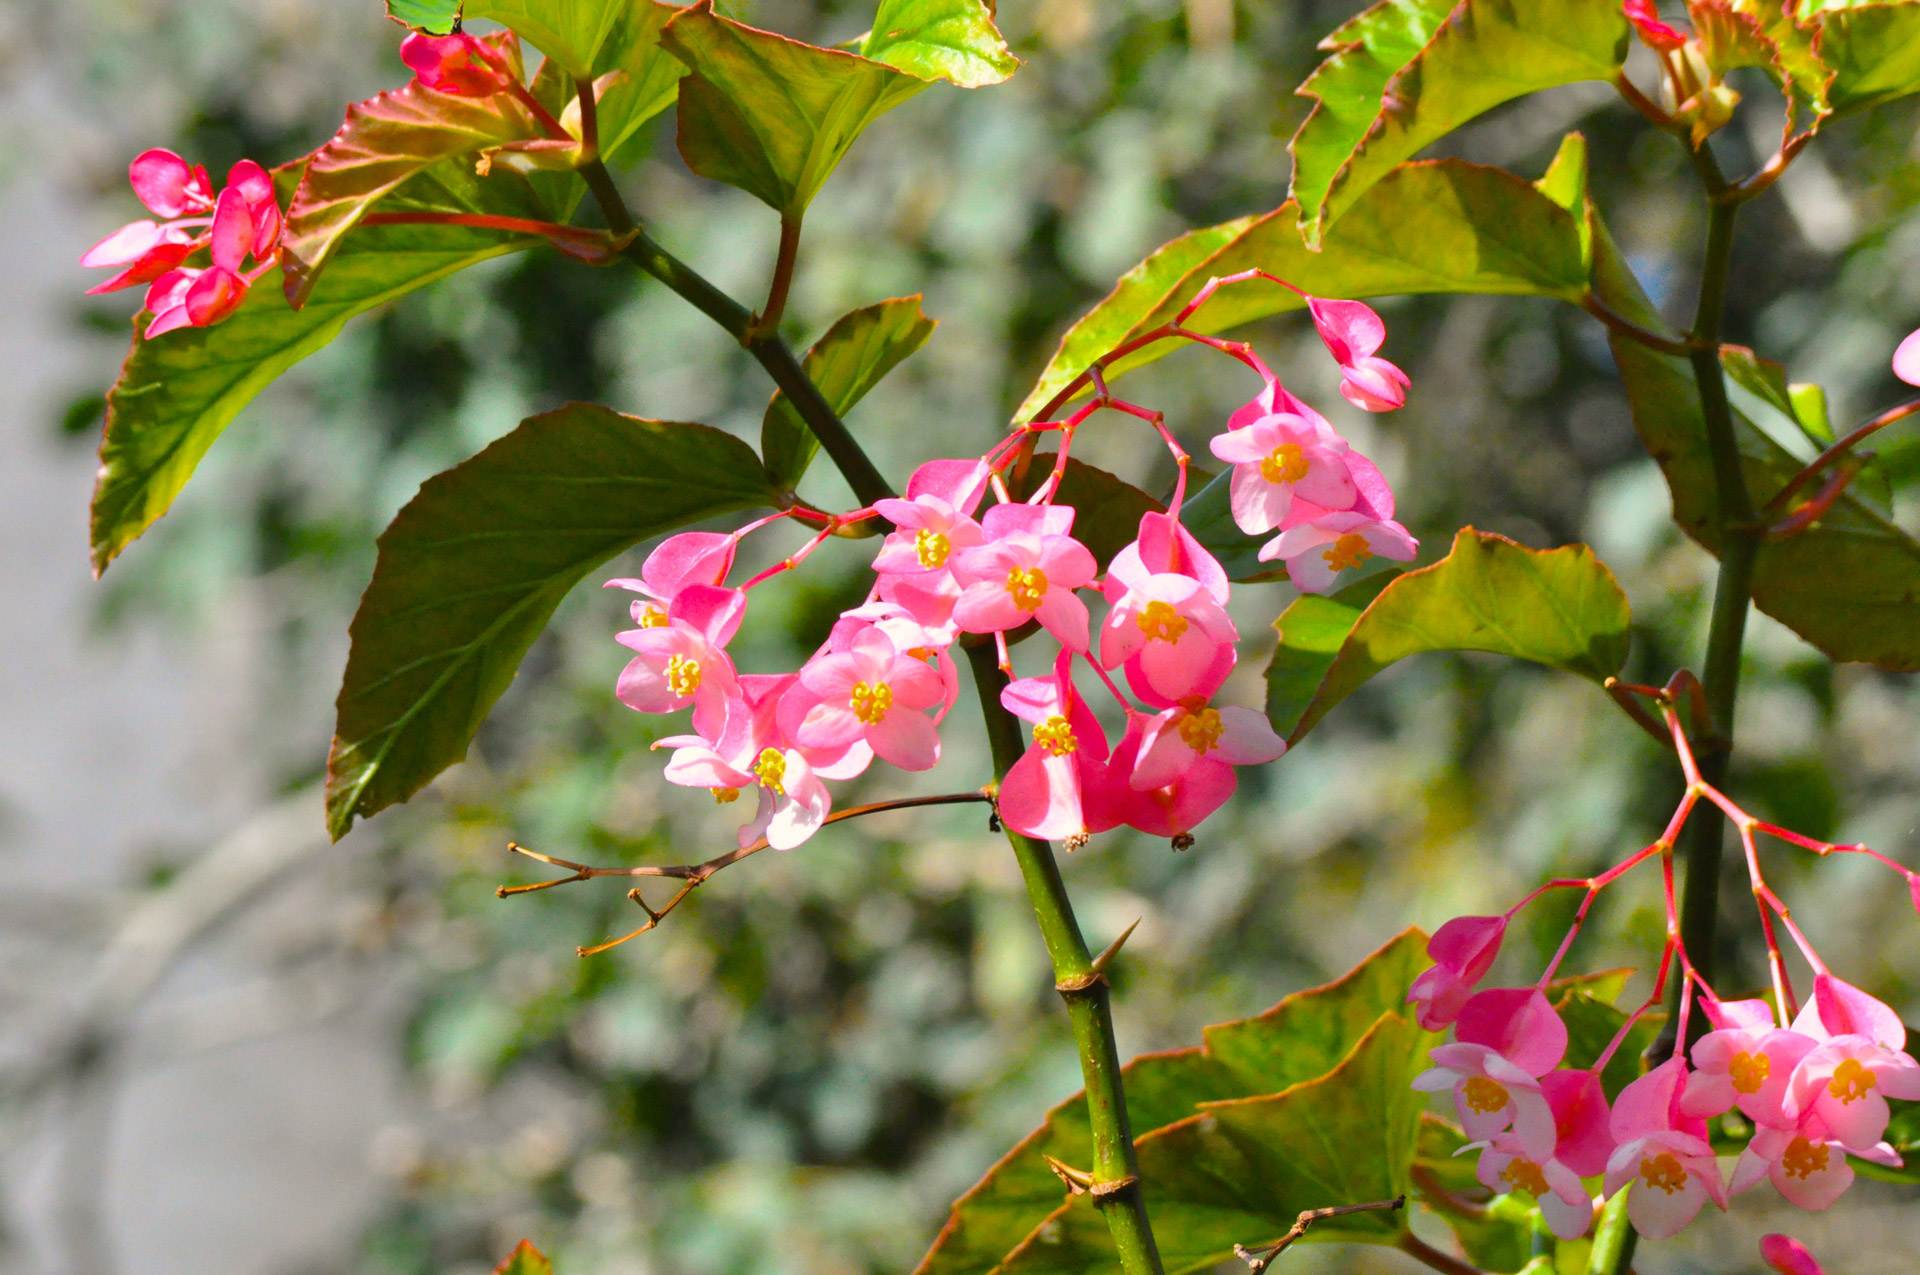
[227,1048]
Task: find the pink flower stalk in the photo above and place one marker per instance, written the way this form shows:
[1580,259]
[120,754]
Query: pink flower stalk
[875,694]
[1645,17]
[1581,1147]
[1353,334]
[1174,809]
[1317,552]
[1057,791]
[1788,1256]
[684,661]
[1028,569]
[1491,1095]
[1175,640]
[460,65]
[1663,1154]
[1745,1066]
[1906,366]
[1278,457]
[1463,950]
[1194,736]
[1517,1022]
[692,557]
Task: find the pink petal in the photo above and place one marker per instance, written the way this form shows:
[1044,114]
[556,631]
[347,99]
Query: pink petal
[1032,699]
[1658,1215]
[1468,945]
[166,184]
[1351,330]
[167,320]
[961,483]
[1164,756]
[1819,1189]
[1374,496]
[1374,385]
[1065,616]
[1205,788]
[1846,1010]
[1518,1023]
[905,738]
[1040,797]
[715,613]
[1329,481]
[915,686]
[1258,505]
[692,557]
[1733,1014]
[1580,1117]
[1032,520]
[833,677]
[1068,563]
[1246,446]
[232,235]
[1788,1255]
[1248,738]
[805,809]
[127,244]
[986,607]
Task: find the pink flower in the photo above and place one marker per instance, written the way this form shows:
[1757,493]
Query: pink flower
[1906,366]
[1663,1154]
[460,65]
[684,661]
[1353,333]
[1745,1066]
[1810,1171]
[692,557]
[1317,552]
[1057,790]
[1278,457]
[178,193]
[930,530]
[1176,641]
[1463,951]
[872,693]
[1027,570]
[1788,1256]
[1492,1095]
[1519,1023]
[1164,547]
[1173,809]
[1581,1147]
[246,223]
[1194,735]
[1645,17]
[748,750]
[1845,1084]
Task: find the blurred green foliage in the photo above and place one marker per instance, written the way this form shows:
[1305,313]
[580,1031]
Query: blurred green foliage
[801,1068]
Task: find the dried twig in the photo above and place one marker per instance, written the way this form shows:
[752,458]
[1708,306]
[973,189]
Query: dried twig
[1258,1260]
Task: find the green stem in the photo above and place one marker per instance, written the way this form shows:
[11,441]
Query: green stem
[1116,1169]
[1614,1239]
[767,348]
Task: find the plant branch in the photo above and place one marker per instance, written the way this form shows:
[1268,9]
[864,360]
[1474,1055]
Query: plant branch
[1633,331]
[767,349]
[1258,1265]
[1833,454]
[1115,1178]
[1413,1246]
[768,321]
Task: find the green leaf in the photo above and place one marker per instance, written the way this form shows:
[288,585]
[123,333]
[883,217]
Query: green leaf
[1477,229]
[1313,630]
[435,17]
[1874,51]
[571,32]
[952,40]
[848,360]
[1107,509]
[385,141]
[1805,406]
[473,567]
[1558,607]
[1591,1024]
[525,1260]
[1304,1036]
[1849,584]
[771,115]
[1810,409]
[1501,1240]
[178,392]
[1240,1171]
[647,77]
[1443,66]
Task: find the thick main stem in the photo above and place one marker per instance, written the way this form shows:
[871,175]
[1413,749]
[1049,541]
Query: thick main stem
[1116,1169]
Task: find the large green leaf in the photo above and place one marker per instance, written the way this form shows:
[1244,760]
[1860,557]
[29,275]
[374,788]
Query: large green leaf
[385,141]
[1558,607]
[1313,630]
[178,392]
[646,77]
[952,40]
[1443,226]
[1303,1037]
[433,16]
[1849,584]
[1481,53]
[1240,1171]
[848,360]
[1874,51]
[525,1260]
[571,32]
[473,567]
[771,115]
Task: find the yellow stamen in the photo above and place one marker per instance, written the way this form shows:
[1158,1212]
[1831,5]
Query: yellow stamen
[1803,1159]
[1349,550]
[870,703]
[1485,1096]
[1056,736]
[1851,1082]
[653,618]
[1160,622]
[1028,586]
[724,796]
[1749,1072]
[1525,1175]
[683,675]
[772,770]
[932,549]
[1202,731]
[1284,464]
[1663,1173]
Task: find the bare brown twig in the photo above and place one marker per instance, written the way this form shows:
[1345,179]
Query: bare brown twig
[1258,1260]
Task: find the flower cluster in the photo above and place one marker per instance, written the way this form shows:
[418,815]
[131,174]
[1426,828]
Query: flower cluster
[242,223]
[956,568]
[1811,1085]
